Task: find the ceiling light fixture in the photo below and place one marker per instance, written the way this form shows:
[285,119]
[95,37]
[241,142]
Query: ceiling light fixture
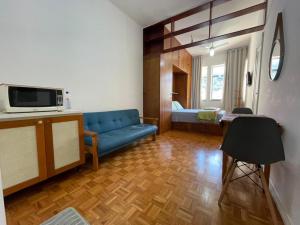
[211,51]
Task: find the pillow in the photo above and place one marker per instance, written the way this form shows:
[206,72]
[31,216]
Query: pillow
[176,106]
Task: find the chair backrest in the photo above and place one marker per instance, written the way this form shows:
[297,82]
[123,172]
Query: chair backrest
[242,111]
[254,140]
[102,122]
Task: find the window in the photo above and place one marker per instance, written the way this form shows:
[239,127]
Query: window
[204,83]
[212,82]
[217,82]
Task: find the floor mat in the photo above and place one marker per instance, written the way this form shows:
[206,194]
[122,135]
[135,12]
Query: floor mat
[68,216]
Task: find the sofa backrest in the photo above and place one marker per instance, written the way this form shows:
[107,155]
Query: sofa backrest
[102,122]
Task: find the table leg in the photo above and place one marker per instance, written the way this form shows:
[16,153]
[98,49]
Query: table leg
[267,171]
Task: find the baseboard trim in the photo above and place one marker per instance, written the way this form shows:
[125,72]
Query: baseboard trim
[281,208]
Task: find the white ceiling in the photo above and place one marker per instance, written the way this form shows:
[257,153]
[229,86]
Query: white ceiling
[149,12]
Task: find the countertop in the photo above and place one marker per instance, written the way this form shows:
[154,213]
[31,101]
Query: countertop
[36,115]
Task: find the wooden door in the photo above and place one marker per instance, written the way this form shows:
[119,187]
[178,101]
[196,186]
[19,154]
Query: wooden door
[64,143]
[151,86]
[166,83]
[22,154]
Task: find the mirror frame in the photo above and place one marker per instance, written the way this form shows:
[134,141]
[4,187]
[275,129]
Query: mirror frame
[278,31]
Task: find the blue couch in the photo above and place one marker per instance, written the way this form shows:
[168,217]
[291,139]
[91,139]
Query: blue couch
[106,132]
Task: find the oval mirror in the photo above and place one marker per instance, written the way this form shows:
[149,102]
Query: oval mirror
[275,61]
[277,52]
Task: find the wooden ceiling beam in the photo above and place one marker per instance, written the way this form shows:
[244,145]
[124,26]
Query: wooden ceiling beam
[217,38]
[242,12]
[210,19]
[185,30]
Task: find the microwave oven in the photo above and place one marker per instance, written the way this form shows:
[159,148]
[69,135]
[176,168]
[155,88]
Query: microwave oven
[16,98]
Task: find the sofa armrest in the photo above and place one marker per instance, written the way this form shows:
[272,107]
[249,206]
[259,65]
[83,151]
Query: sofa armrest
[93,135]
[90,133]
[94,148]
[152,120]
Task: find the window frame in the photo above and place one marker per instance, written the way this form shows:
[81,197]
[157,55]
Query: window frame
[209,81]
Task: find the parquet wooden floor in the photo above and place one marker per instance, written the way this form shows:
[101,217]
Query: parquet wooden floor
[173,181]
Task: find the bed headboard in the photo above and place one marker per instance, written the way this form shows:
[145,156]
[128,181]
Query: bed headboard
[176,106]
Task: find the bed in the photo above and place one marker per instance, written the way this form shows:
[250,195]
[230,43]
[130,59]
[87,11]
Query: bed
[188,119]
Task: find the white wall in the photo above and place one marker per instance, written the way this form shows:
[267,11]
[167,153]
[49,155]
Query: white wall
[218,59]
[89,47]
[281,100]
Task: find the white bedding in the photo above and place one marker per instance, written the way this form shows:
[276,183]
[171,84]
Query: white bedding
[190,116]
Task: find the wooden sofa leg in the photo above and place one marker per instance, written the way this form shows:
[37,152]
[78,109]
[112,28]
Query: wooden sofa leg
[154,137]
[95,159]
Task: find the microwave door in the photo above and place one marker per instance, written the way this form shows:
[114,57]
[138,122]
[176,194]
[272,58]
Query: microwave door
[22,97]
[32,97]
[46,98]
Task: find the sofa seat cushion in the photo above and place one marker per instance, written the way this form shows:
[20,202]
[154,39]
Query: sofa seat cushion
[116,139]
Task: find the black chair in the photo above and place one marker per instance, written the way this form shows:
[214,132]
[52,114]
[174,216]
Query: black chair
[255,140]
[242,111]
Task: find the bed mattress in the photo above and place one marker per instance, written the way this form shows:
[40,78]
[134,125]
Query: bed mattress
[190,116]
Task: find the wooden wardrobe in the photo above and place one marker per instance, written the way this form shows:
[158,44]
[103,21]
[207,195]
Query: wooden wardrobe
[159,82]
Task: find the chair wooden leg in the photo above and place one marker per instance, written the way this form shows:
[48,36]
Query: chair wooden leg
[227,172]
[224,164]
[268,196]
[228,178]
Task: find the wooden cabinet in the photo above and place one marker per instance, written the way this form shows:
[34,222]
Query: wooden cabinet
[34,149]
[158,76]
[166,83]
[175,58]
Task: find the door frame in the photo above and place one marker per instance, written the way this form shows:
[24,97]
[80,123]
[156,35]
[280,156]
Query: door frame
[257,70]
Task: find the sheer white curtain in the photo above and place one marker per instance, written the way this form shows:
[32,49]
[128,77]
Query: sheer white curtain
[234,77]
[196,83]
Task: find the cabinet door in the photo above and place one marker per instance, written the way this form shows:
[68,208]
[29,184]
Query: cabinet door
[166,83]
[22,154]
[2,209]
[64,143]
